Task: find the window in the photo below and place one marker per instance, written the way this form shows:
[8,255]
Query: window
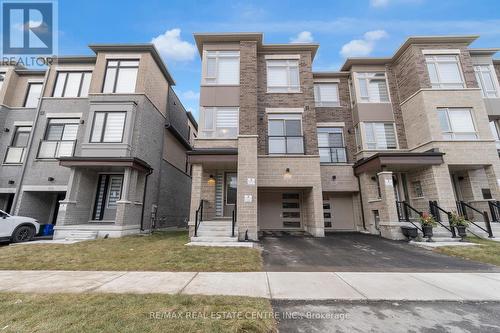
[486,80]
[33,95]
[326,94]
[121,76]
[59,139]
[231,187]
[331,145]
[357,137]
[222,67]
[486,192]
[16,150]
[72,84]
[327,214]
[495,132]
[372,87]
[108,127]
[219,122]
[285,135]
[417,188]
[2,78]
[444,71]
[456,124]
[380,136]
[283,76]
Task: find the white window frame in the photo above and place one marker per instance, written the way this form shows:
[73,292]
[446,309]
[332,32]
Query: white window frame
[480,80]
[3,76]
[203,129]
[283,117]
[317,95]
[28,90]
[340,130]
[434,59]
[358,76]
[494,126]
[118,68]
[364,143]
[217,55]
[103,130]
[290,63]
[82,73]
[453,133]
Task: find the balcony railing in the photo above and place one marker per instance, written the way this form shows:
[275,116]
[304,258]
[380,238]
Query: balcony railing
[333,154]
[56,149]
[286,144]
[14,155]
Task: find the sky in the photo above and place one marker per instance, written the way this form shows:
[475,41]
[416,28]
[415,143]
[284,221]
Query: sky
[342,28]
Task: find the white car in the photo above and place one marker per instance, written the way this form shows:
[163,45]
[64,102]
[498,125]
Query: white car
[17,229]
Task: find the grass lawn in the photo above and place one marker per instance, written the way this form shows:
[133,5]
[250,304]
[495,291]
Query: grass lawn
[163,251]
[488,252]
[131,313]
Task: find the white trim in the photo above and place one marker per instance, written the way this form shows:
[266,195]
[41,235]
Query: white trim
[282,56]
[441,51]
[63,115]
[73,69]
[331,124]
[4,190]
[284,110]
[285,116]
[35,81]
[323,80]
[22,123]
[44,188]
[118,56]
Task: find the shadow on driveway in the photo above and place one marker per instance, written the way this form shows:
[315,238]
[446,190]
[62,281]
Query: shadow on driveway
[357,252]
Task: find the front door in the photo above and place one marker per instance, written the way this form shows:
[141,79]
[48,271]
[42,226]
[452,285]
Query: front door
[230,191]
[290,210]
[109,191]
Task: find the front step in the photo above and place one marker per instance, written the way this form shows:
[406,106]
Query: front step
[79,235]
[217,239]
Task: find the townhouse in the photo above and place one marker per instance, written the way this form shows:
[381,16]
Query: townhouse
[283,148]
[96,145]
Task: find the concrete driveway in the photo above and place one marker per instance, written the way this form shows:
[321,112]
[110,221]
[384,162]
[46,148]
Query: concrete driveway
[355,252]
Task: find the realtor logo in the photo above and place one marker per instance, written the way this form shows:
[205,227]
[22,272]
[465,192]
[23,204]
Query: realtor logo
[29,27]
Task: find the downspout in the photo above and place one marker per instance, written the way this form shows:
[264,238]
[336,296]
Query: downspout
[361,202]
[144,198]
[30,143]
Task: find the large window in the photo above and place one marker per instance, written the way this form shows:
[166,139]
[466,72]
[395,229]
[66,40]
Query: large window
[121,76]
[486,78]
[331,145]
[108,127]
[326,94]
[380,136]
[494,126]
[72,84]
[60,138]
[456,124]
[285,134]
[444,71]
[219,122]
[16,150]
[283,76]
[33,94]
[372,87]
[222,67]
[2,78]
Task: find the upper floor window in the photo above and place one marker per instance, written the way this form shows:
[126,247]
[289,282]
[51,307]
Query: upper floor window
[372,87]
[326,94]
[60,137]
[487,82]
[121,76]
[331,145]
[444,71]
[219,122]
[283,76]
[17,148]
[380,136]
[496,132]
[2,78]
[285,134]
[222,67]
[108,127]
[72,84]
[456,124]
[33,95]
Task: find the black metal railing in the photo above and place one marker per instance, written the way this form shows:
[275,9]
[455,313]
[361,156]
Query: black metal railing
[334,154]
[435,211]
[291,144]
[406,213]
[198,218]
[463,207]
[494,210]
[233,221]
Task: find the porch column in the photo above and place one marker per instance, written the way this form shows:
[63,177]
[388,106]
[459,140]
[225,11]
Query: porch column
[127,212]
[247,187]
[389,221]
[196,179]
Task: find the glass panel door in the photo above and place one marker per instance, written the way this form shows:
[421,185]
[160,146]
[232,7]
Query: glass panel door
[231,181]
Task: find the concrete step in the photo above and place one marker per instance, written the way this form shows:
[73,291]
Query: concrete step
[223,244]
[213,239]
[81,235]
[212,233]
[445,239]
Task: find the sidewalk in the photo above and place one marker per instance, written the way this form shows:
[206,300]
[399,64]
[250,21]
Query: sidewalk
[273,285]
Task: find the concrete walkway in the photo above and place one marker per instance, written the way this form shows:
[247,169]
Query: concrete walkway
[273,285]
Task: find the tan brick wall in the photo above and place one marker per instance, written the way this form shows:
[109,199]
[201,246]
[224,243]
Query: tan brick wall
[214,143]
[248,88]
[345,181]
[247,169]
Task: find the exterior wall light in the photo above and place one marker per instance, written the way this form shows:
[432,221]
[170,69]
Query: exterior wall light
[287,174]
[50,179]
[11,182]
[211,180]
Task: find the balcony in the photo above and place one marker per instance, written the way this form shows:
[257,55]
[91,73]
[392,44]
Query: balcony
[15,155]
[56,149]
[333,155]
[293,145]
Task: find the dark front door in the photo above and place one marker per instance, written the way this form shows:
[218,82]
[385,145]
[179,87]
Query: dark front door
[109,191]
[230,191]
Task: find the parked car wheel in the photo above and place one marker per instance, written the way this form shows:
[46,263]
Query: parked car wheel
[23,233]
